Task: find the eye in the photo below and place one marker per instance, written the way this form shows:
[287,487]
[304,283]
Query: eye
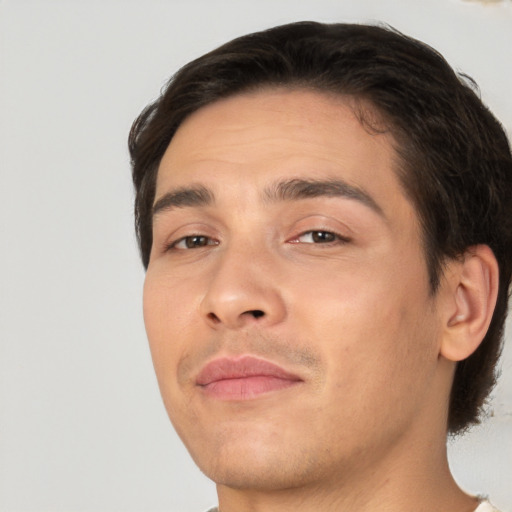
[319,237]
[192,242]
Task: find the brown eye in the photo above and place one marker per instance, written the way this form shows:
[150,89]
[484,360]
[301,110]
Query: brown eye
[319,237]
[192,242]
[195,241]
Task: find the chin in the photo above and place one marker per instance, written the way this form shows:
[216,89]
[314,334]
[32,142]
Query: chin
[255,462]
[261,475]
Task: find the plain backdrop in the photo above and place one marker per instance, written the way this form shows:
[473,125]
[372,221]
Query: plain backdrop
[82,427]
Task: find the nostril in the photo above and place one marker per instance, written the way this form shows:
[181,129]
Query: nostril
[214,318]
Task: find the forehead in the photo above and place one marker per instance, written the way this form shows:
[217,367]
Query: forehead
[256,138]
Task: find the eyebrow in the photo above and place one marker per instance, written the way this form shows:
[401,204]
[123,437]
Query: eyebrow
[288,190]
[296,189]
[197,195]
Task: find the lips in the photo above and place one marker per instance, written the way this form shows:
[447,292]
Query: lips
[243,378]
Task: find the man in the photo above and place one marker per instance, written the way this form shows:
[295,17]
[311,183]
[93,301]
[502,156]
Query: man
[324,213]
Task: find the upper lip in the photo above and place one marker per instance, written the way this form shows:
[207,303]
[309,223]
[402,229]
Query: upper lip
[241,367]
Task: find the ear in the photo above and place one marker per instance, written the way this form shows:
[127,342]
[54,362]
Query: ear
[471,293]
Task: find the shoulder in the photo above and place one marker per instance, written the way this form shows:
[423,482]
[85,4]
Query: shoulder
[485,506]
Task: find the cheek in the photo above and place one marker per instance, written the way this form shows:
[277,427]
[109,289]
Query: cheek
[373,318]
[168,320]
[378,353]
[167,315]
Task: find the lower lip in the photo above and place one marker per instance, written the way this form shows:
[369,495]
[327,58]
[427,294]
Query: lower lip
[246,388]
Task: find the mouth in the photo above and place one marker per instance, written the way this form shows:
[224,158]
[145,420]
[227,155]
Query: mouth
[243,378]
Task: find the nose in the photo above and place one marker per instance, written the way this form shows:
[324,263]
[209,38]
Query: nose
[242,290]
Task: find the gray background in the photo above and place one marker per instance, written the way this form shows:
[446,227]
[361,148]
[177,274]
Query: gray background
[81,423]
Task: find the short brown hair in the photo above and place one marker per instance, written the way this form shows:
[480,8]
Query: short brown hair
[455,159]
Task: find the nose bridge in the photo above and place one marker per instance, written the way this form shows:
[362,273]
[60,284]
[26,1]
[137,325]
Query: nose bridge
[242,288]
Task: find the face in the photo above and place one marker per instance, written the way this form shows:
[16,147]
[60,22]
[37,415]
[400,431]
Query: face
[286,300]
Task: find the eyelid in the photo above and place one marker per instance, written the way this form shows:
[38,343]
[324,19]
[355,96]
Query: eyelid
[339,238]
[172,245]
[326,220]
[168,236]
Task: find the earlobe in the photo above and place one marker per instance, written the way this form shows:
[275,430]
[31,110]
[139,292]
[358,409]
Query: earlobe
[471,298]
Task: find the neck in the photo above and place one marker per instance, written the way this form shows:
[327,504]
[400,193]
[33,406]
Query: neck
[412,477]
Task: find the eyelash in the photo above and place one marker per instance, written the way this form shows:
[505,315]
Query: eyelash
[335,238]
[174,245]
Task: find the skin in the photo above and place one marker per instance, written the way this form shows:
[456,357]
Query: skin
[350,313]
